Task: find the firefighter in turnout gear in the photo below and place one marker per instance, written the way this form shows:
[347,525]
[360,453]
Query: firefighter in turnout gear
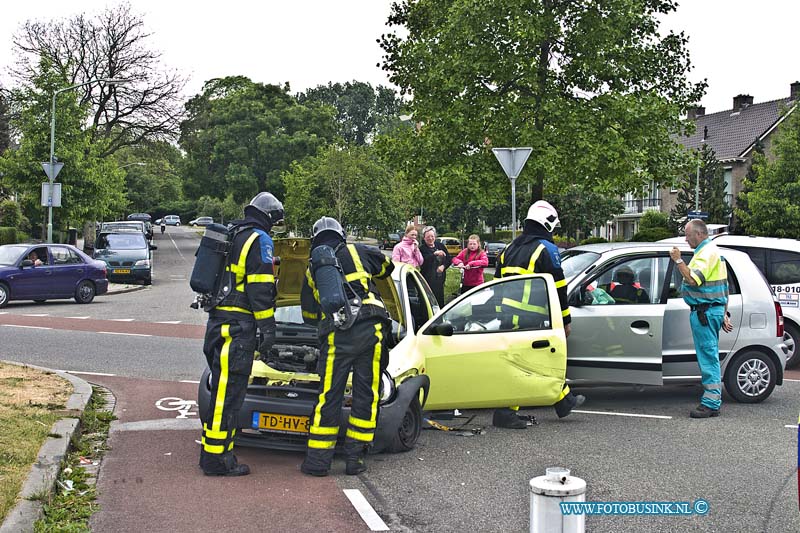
[231,340]
[530,253]
[359,348]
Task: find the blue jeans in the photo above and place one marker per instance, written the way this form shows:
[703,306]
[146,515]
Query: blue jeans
[706,344]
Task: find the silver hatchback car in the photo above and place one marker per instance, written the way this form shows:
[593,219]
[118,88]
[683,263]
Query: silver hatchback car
[630,324]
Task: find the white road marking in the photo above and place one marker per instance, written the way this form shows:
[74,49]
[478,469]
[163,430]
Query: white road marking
[169,322]
[188,381]
[122,319]
[3,312]
[368,514]
[793,426]
[78,317]
[118,333]
[89,373]
[176,247]
[795,380]
[35,314]
[636,415]
[28,327]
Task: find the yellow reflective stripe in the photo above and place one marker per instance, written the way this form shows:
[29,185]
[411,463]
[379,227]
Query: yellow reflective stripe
[524,307]
[321,444]
[383,268]
[376,373]
[512,270]
[326,383]
[359,266]
[219,401]
[563,394]
[267,313]
[324,430]
[235,309]
[360,423]
[354,276]
[240,267]
[373,301]
[260,278]
[210,433]
[534,257]
[357,435]
[308,314]
[515,322]
[310,280]
[565,312]
[214,448]
[561,283]
[514,407]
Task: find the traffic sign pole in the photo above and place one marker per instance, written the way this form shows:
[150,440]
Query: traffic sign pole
[512,160]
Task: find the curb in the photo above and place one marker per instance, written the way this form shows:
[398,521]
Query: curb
[44,472]
[124,289]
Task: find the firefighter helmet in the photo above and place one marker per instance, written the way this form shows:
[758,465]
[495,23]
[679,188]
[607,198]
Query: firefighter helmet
[325,224]
[267,204]
[543,213]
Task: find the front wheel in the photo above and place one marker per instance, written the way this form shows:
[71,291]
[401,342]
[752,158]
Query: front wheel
[84,294]
[750,377]
[3,295]
[791,336]
[407,434]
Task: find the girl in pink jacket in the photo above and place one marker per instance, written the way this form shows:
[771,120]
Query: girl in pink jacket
[471,260]
[407,250]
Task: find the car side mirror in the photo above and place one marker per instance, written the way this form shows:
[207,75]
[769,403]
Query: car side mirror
[445,329]
[26,263]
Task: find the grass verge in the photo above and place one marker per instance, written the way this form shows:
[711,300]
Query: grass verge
[452,283]
[28,399]
[75,497]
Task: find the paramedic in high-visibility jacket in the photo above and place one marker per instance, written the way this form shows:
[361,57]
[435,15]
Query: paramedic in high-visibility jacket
[534,252]
[705,289]
[359,348]
[230,340]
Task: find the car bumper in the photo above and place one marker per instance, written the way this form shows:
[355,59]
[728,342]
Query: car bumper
[135,274]
[300,401]
[100,286]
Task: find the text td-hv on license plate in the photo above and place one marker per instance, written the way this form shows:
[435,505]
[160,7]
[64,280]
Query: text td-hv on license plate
[122,271]
[293,424]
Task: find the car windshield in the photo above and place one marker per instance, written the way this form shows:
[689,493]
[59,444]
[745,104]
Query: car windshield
[574,262]
[122,241]
[9,255]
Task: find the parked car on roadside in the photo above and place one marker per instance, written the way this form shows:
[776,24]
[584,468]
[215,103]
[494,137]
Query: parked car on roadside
[779,260]
[144,217]
[493,250]
[145,227]
[172,220]
[452,244]
[201,221]
[390,241]
[127,255]
[43,272]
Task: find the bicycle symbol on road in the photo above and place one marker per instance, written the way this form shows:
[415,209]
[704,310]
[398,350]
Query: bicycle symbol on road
[184,407]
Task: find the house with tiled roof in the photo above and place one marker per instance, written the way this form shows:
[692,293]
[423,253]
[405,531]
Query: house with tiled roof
[733,135]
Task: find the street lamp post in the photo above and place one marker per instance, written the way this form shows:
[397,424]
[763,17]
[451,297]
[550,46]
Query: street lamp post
[52,175]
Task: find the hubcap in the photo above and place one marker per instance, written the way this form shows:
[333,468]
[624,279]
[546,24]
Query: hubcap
[85,291]
[753,377]
[3,295]
[790,343]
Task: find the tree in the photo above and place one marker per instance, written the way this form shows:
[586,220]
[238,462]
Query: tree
[361,111]
[92,184]
[240,135]
[582,211]
[711,198]
[742,205]
[112,45]
[348,183]
[588,84]
[5,131]
[774,201]
[152,175]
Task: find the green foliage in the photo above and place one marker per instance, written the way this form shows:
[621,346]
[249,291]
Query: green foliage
[5,131]
[711,191]
[773,204]
[737,227]
[593,240]
[582,211]
[8,235]
[240,136]
[652,235]
[361,111]
[347,183]
[11,214]
[653,219]
[221,210]
[152,175]
[590,85]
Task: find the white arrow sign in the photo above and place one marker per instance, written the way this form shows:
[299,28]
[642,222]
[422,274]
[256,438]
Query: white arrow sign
[512,159]
[56,168]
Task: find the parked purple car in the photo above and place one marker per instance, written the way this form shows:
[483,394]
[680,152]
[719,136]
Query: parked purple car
[42,272]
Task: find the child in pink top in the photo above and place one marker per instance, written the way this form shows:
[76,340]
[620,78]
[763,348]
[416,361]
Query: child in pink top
[471,260]
[407,250]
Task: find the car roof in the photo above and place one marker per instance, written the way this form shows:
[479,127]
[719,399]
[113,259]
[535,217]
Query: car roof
[780,243]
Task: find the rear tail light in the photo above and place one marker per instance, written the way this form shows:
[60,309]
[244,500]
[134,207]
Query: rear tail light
[779,319]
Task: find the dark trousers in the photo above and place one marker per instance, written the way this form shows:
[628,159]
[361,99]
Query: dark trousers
[229,348]
[360,349]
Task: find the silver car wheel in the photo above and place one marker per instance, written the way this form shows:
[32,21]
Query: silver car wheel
[753,377]
[3,295]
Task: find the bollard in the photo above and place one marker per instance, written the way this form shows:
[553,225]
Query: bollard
[547,492]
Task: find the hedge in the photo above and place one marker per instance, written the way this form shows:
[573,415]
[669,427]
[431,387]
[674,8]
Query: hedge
[8,235]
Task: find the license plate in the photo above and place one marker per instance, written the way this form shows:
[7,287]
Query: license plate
[122,271]
[273,422]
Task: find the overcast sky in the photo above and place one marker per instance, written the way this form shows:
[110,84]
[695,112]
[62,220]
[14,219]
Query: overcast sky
[739,46]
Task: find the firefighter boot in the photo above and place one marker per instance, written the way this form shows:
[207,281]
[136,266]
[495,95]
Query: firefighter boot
[508,418]
[356,456]
[317,462]
[222,464]
[569,402]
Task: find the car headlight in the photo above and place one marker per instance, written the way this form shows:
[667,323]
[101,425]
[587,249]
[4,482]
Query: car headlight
[142,263]
[388,389]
